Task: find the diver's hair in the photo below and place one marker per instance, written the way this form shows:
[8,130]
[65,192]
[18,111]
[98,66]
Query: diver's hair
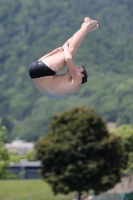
[84,72]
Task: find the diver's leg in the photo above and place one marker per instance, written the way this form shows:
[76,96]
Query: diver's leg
[76,40]
[57,61]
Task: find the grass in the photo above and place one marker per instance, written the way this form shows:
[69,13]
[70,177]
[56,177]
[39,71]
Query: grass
[29,190]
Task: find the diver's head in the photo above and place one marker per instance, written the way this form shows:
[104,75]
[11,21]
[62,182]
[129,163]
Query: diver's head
[83,71]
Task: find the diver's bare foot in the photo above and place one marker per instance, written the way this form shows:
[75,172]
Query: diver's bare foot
[90,24]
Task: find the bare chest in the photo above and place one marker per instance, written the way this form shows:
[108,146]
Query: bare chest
[58,85]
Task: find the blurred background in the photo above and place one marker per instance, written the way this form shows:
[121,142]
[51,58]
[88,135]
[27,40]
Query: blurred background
[30,29]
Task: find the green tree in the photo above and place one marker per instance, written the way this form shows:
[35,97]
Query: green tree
[126,134]
[79,154]
[29,155]
[4,155]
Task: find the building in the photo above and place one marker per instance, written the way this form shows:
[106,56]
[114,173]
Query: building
[26,169]
[19,146]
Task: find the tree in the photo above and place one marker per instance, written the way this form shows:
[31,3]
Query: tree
[29,155]
[79,154]
[126,134]
[4,155]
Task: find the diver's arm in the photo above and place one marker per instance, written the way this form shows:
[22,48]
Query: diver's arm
[69,61]
[59,49]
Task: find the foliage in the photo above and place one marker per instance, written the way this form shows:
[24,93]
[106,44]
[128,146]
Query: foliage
[4,155]
[30,29]
[79,154]
[29,155]
[126,134]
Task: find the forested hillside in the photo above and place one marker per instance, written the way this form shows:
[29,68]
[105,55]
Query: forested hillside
[30,29]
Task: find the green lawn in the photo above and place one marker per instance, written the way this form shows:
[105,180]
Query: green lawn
[29,190]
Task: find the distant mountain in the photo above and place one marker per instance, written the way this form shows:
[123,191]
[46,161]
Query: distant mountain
[30,29]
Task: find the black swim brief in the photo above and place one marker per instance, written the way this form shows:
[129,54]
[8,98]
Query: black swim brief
[38,69]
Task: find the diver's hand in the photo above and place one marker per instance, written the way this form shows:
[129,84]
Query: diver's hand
[58,50]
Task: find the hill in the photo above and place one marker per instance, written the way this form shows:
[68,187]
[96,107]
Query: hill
[30,29]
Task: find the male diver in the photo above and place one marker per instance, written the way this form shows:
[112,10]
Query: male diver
[44,71]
